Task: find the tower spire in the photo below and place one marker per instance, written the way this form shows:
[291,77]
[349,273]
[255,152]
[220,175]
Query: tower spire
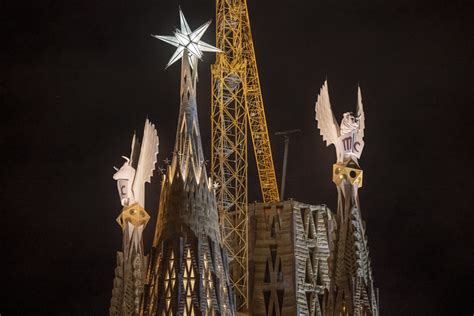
[352,290]
[188,267]
[189,47]
[188,146]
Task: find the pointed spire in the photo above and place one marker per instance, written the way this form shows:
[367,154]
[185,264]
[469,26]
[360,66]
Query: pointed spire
[188,146]
[190,48]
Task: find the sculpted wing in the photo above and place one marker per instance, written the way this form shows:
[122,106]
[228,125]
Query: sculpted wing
[147,160]
[135,152]
[326,122]
[360,113]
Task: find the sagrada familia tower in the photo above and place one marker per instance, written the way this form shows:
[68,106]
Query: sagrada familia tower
[131,261]
[351,290]
[188,268]
[187,271]
[213,253]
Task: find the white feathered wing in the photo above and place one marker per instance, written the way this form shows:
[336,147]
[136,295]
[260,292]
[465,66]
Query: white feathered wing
[360,113]
[327,124]
[146,162]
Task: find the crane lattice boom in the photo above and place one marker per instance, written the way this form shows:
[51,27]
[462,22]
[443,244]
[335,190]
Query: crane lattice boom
[237,104]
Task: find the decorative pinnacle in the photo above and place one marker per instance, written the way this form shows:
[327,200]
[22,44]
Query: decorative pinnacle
[189,41]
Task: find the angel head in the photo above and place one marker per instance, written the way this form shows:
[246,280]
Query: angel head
[124,177]
[125,172]
[349,123]
[331,131]
[138,169]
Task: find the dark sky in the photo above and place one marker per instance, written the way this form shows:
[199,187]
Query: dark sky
[78,76]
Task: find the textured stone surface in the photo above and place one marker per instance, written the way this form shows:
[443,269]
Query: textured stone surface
[289,257]
[352,290]
[188,272]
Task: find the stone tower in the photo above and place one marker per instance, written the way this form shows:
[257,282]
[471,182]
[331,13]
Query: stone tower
[131,261]
[352,290]
[187,273]
[289,258]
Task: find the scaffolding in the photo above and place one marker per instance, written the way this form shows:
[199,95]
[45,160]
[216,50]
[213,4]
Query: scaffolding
[237,106]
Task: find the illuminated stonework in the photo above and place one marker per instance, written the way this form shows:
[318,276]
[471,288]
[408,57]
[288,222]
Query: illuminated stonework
[348,172]
[187,273]
[352,290]
[289,257]
[131,261]
[134,214]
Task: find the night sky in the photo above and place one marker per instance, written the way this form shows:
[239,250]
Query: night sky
[78,77]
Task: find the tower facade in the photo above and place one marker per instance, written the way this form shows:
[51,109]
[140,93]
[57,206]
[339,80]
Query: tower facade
[352,290]
[289,257]
[131,261]
[188,273]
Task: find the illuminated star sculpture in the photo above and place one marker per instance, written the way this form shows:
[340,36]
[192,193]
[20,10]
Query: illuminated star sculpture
[188,272]
[186,40]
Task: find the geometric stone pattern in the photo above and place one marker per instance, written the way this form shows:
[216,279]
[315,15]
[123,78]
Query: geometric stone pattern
[187,273]
[188,278]
[352,291]
[131,263]
[128,285]
[289,257]
[135,214]
[314,235]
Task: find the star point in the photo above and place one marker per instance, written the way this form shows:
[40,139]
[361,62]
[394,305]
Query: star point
[188,41]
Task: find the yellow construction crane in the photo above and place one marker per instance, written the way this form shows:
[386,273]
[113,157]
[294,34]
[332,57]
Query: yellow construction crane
[237,104]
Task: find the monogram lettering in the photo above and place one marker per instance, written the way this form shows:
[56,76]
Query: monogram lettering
[347,143]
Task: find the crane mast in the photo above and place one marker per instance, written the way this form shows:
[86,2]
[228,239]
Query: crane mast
[237,105]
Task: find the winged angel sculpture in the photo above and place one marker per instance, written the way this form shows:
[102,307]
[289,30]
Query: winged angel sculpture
[131,262]
[352,290]
[138,169]
[346,137]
